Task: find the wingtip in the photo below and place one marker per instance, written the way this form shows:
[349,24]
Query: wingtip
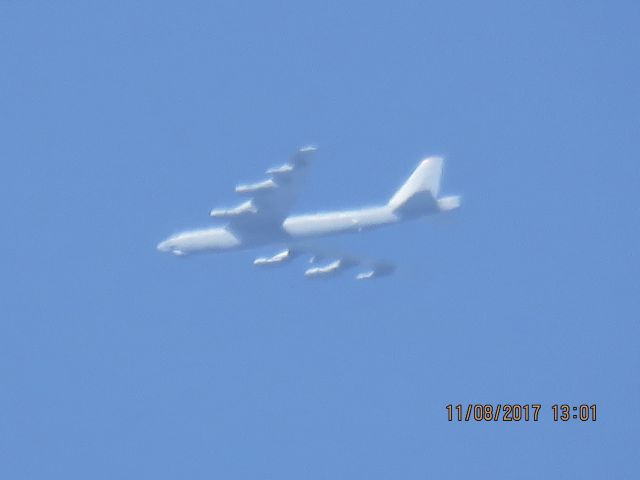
[308,148]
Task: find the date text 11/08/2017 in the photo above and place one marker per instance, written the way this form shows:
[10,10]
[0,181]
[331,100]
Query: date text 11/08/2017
[487,412]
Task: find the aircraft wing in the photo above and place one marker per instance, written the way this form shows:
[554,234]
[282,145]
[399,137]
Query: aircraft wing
[270,200]
[328,263]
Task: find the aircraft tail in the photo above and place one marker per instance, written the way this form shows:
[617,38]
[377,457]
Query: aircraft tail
[419,194]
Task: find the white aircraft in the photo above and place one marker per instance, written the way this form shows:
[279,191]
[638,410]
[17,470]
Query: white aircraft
[264,219]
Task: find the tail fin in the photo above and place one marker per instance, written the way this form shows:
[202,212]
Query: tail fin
[419,193]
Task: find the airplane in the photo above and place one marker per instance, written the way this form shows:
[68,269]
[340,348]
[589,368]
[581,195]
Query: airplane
[264,219]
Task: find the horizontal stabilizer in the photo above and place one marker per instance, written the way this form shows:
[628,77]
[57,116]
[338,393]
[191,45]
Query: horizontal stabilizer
[449,203]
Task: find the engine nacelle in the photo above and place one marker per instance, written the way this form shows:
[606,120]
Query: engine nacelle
[277,259]
[377,271]
[281,170]
[329,269]
[256,187]
[243,209]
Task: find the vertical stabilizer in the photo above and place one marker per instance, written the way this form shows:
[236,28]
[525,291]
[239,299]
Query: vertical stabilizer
[420,191]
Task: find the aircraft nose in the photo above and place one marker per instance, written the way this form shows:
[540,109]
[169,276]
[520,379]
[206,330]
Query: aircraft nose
[164,246]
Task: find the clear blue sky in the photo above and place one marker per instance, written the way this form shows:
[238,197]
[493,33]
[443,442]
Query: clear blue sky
[123,122]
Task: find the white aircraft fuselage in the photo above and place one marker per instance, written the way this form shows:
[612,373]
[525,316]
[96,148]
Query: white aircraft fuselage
[293,229]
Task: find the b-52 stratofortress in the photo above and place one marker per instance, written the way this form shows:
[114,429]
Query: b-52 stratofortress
[264,219]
